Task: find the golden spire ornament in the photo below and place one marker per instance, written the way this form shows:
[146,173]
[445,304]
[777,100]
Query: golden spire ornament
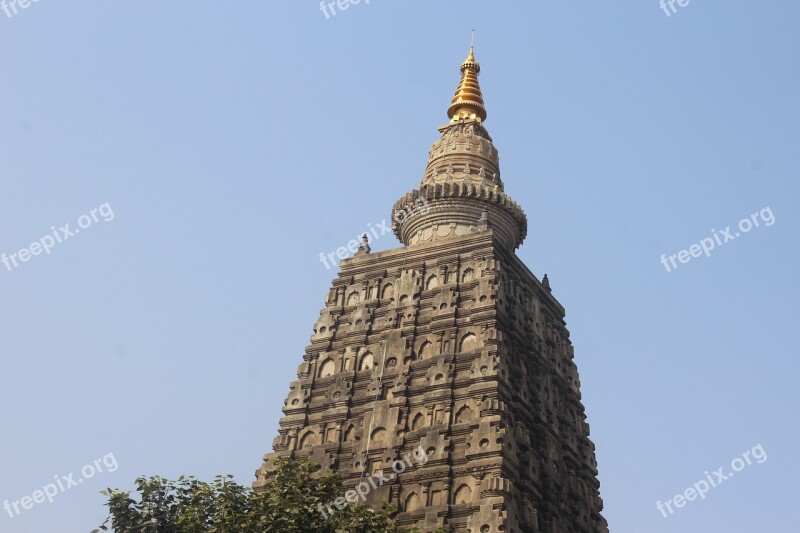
[468,100]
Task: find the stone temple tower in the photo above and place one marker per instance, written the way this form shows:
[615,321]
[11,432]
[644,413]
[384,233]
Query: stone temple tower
[451,345]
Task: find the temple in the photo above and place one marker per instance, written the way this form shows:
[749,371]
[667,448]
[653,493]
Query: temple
[451,345]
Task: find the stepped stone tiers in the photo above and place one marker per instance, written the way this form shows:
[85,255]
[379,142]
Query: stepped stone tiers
[452,346]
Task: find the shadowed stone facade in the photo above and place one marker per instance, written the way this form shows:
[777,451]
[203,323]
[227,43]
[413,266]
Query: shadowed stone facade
[450,344]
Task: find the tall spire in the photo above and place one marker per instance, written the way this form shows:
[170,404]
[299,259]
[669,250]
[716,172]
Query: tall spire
[461,191]
[468,100]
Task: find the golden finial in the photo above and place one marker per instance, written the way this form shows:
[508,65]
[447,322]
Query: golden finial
[468,100]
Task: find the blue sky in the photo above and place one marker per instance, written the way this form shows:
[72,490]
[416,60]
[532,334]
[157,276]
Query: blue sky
[236,141]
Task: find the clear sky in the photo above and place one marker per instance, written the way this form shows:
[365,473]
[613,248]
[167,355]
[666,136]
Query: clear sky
[236,141]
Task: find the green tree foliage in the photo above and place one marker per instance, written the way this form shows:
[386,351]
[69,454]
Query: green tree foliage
[288,504]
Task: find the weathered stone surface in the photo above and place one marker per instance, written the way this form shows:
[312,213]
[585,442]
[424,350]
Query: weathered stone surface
[452,346]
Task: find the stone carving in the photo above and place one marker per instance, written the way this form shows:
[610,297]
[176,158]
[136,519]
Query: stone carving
[449,343]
